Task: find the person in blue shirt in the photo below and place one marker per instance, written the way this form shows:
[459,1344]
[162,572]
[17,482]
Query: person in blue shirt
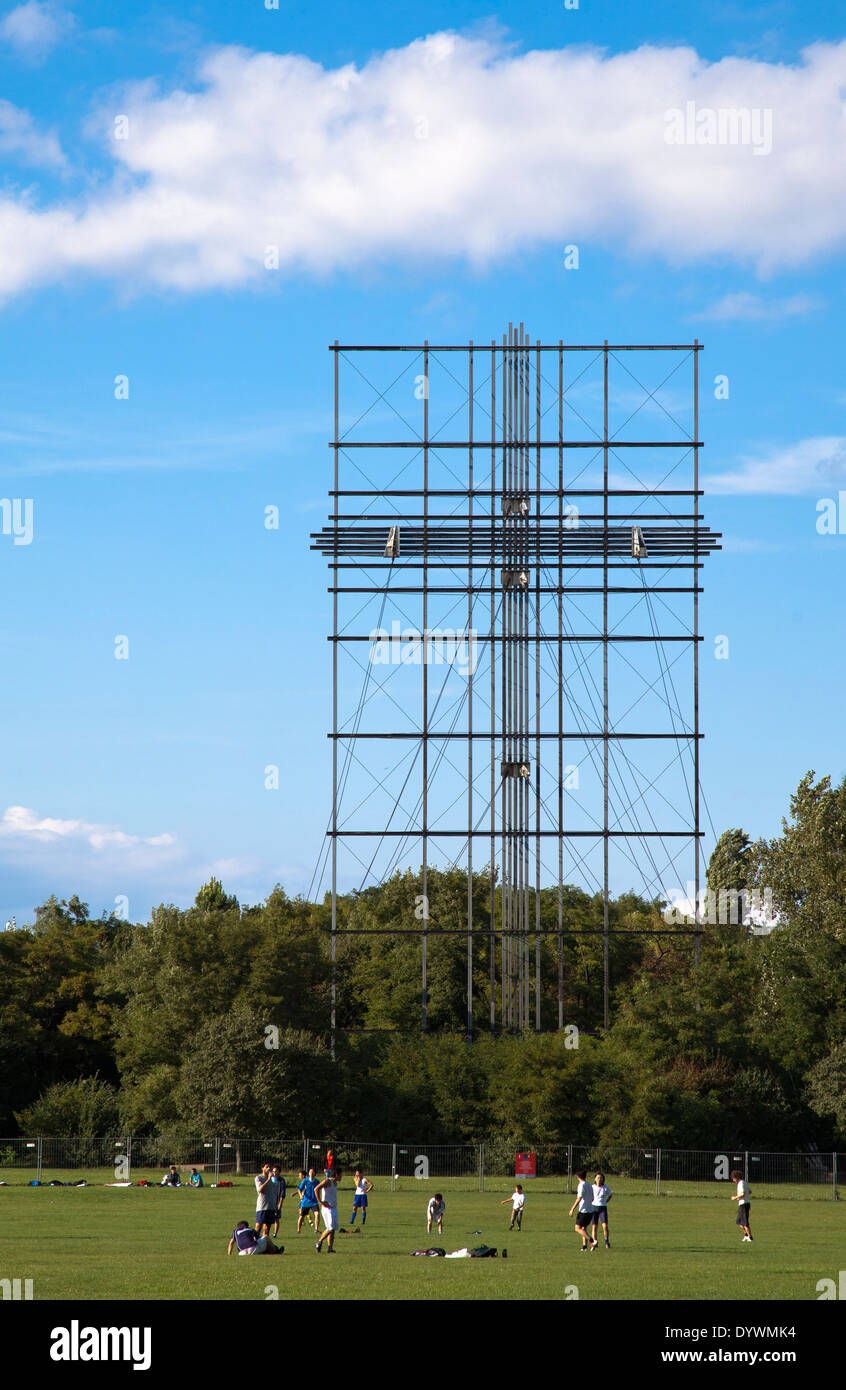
[309,1205]
[195,1179]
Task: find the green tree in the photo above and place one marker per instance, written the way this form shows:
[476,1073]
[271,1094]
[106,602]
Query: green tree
[231,1082]
[85,1107]
[827,1088]
[732,863]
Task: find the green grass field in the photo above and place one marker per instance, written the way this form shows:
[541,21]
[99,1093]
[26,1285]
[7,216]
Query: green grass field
[132,1243]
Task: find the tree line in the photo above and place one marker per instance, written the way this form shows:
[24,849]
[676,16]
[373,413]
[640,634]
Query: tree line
[215,1019]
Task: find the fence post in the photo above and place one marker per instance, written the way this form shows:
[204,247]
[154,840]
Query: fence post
[216,1161]
[38,1157]
[834,1176]
[305,1156]
[481,1167]
[657,1172]
[569,1168]
[129,1158]
[393,1167]
[745,1165]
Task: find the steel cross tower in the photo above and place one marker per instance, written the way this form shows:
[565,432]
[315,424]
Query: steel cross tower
[514,549]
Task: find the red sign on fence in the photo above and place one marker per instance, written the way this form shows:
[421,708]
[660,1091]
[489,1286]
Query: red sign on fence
[526,1165]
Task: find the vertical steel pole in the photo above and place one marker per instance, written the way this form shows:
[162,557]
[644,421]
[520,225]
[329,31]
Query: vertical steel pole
[492,650]
[217,1160]
[425,883]
[560,942]
[504,890]
[129,1157]
[657,1172]
[470,648]
[537,688]
[393,1167]
[39,1154]
[696,640]
[481,1167]
[333,948]
[605,818]
[834,1176]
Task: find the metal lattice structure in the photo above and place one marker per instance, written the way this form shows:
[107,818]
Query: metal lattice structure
[514,549]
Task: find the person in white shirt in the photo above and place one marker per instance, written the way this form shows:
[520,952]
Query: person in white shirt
[601,1197]
[584,1201]
[518,1201]
[363,1185]
[742,1197]
[435,1212]
[326,1193]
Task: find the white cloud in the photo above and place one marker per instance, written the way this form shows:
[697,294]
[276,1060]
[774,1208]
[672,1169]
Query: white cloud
[35,28]
[79,846]
[744,306]
[20,138]
[804,467]
[448,148]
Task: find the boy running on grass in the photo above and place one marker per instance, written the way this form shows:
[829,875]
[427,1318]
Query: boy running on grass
[742,1197]
[601,1197]
[518,1201]
[584,1201]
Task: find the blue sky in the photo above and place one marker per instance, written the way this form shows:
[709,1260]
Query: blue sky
[144,257]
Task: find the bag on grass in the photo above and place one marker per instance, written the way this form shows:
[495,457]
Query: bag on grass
[482,1252]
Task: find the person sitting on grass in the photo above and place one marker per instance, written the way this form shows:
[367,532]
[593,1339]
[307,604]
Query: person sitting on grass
[171,1177]
[247,1242]
[195,1179]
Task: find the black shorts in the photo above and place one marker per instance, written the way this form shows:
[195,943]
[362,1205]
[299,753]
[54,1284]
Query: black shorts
[265,1217]
[584,1219]
[742,1218]
[600,1214]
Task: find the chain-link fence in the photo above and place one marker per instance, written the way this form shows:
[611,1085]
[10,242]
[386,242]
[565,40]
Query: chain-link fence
[490,1167]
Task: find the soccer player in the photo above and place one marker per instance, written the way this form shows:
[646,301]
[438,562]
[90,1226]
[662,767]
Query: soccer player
[518,1201]
[279,1188]
[326,1193]
[247,1242]
[601,1197]
[363,1185]
[265,1210]
[435,1212]
[584,1201]
[308,1201]
[742,1197]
